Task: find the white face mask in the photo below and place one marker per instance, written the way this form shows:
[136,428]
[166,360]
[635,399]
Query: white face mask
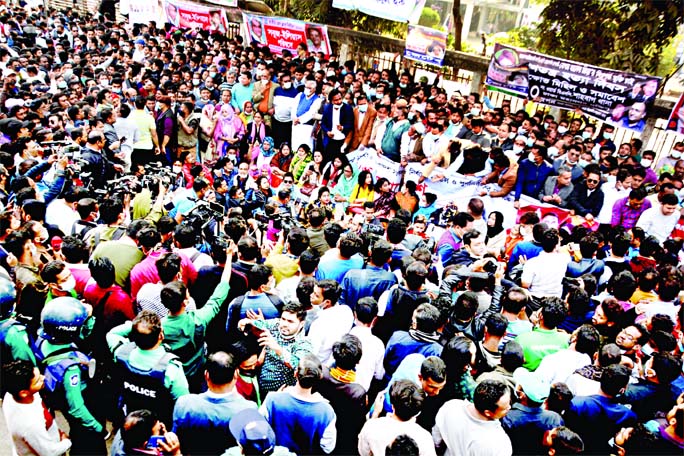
[287,85]
[69,285]
[512,135]
[177,169]
[583,163]
[562,129]
[610,179]
[195,82]
[517,149]
[530,157]
[646,163]
[475,112]
[553,152]
[308,92]
[676,154]
[363,108]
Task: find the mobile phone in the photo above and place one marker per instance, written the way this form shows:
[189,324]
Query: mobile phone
[154,441]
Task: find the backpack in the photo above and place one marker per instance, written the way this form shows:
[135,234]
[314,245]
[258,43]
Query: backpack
[236,310]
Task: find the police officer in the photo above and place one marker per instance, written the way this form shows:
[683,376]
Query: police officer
[14,340]
[64,321]
[148,375]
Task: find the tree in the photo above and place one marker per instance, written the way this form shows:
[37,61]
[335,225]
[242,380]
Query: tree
[458,24]
[626,35]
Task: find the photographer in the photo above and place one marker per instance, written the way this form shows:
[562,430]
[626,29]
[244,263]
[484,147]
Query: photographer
[188,199]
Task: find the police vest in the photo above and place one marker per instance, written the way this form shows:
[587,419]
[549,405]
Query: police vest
[143,388]
[54,366]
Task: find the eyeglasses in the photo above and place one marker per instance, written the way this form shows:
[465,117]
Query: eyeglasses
[288,182]
[592,181]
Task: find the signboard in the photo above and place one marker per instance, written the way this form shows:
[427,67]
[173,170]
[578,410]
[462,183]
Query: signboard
[279,33]
[425,45]
[615,97]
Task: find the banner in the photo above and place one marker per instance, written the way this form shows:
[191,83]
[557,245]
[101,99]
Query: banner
[394,10]
[227,3]
[368,159]
[280,33]
[425,45]
[144,11]
[676,121]
[195,16]
[621,99]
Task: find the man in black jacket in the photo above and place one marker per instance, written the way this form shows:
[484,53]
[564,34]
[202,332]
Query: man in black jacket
[586,198]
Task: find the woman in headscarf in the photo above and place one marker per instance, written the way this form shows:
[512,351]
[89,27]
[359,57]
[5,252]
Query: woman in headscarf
[207,124]
[495,230]
[255,133]
[247,114]
[300,162]
[228,131]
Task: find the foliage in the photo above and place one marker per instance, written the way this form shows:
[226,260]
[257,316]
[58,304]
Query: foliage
[429,18]
[625,35]
[522,37]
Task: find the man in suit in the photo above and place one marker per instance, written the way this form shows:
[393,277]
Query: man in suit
[364,117]
[337,122]
[586,198]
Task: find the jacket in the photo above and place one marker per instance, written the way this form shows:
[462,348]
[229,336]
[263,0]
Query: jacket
[362,133]
[531,178]
[360,283]
[550,186]
[473,329]
[346,120]
[506,180]
[584,204]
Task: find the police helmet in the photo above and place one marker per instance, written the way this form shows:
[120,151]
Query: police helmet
[62,319]
[8,297]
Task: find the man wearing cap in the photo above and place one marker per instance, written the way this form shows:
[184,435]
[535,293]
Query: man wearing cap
[254,436]
[527,421]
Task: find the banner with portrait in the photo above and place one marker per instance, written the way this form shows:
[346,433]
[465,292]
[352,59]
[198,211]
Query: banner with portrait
[676,121]
[279,33]
[195,16]
[621,99]
[425,45]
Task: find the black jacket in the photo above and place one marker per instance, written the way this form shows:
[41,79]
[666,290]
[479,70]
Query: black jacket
[583,204]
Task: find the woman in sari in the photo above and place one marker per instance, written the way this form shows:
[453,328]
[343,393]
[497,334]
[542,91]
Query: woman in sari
[227,131]
[247,114]
[280,164]
[333,170]
[384,197]
[345,185]
[255,133]
[300,162]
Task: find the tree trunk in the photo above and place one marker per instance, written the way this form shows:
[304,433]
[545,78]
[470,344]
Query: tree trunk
[458,24]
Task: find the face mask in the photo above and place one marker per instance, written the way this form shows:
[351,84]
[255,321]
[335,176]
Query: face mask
[546,125]
[363,108]
[104,83]
[248,373]
[522,131]
[411,116]
[582,163]
[157,106]
[553,152]
[402,85]
[343,72]
[490,161]
[287,85]
[517,150]
[562,129]
[511,135]
[530,157]
[61,85]
[475,112]
[610,179]
[646,163]
[308,92]
[67,74]
[585,135]
[177,169]
[69,285]
[371,92]
[195,82]
[608,136]
[530,142]
[676,154]
[212,74]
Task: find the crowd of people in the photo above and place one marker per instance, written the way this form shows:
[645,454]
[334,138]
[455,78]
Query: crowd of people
[191,264]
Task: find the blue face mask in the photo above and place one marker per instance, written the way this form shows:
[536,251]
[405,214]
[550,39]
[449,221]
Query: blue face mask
[530,142]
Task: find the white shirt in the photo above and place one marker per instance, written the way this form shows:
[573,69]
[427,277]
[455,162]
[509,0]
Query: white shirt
[287,288]
[337,134]
[329,327]
[60,214]
[582,386]
[465,435]
[654,222]
[610,195]
[373,353]
[201,260]
[26,423]
[558,366]
[545,274]
[378,433]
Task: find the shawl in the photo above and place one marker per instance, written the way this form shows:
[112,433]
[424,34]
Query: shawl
[298,165]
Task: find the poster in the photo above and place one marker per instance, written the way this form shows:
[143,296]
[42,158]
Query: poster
[279,33]
[144,11]
[195,16]
[425,45]
[676,121]
[621,99]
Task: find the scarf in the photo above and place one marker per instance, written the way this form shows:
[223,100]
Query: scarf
[305,104]
[261,133]
[341,375]
[423,336]
[345,186]
[298,165]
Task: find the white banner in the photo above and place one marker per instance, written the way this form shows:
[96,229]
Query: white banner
[394,10]
[368,159]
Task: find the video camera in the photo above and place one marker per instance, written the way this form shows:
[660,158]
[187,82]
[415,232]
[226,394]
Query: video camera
[154,174]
